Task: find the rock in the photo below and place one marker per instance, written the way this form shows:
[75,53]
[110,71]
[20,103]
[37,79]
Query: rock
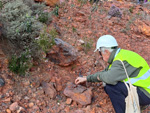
[80,19]
[58,84]
[74,104]
[145,29]
[63,53]
[2,82]
[61,1]
[80,48]
[7,100]
[26,98]
[8,111]
[40,91]
[88,109]
[26,82]
[81,42]
[20,110]
[35,82]
[79,93]
[45,110]
[49,90]
[51,2]
[35,109]
[79,13]
[114,12]
[79,111]
[17,97]
[46,77]
[68,101]
[31,104]
[67,109]
[14,106]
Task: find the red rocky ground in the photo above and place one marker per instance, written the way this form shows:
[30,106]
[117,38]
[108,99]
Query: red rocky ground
[76,22]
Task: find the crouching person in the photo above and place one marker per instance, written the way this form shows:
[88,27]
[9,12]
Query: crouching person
[137,68]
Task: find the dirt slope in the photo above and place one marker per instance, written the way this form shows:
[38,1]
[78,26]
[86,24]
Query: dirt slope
[78,21]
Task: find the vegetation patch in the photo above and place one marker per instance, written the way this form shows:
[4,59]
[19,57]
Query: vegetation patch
[20,64]
[46,39]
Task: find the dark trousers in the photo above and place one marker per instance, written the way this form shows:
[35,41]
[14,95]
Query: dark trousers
[118,93]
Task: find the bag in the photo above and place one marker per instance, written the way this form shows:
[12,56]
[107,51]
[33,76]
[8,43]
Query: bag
[132,100]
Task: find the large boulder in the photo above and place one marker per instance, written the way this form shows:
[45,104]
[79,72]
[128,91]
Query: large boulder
[63,53]
[78,93]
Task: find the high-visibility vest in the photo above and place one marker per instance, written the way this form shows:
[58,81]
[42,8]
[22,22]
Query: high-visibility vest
[135,60]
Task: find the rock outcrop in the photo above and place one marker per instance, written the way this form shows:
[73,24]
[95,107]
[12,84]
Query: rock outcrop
[78,93]
[63,53]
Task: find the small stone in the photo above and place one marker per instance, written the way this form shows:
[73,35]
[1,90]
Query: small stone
[2,82]
[68,101]
[35,108]
[14,106]
[26,98]
[67,109]
[8,111]
[81,42]
[20,110]
[31,104]
[58,84]
[6,100]
[78,111]
[26,82]
[49,90]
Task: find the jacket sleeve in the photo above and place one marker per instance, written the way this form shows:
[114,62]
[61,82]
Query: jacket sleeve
[115,73]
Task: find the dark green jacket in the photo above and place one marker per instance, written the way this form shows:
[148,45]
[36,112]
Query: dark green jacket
[115,73]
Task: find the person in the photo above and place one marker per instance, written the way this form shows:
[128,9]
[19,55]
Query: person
[142,1]
[137,69]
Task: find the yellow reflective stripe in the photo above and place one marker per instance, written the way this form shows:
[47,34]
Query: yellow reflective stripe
[143,77]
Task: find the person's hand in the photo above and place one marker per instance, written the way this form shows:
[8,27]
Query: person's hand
[80,80]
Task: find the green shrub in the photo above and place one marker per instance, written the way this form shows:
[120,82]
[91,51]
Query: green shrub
[41,13]
[18,24]
[21,64]
[74,29]
[82,2]
[44,17]
[46,40]
[37,8]
[53,33]
[1,5]
[56,11]
[87,46]
[131,9]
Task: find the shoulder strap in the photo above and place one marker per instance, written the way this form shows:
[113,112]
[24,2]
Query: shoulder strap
[126,73]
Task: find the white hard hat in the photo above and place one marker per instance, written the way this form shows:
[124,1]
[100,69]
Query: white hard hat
[106,41]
